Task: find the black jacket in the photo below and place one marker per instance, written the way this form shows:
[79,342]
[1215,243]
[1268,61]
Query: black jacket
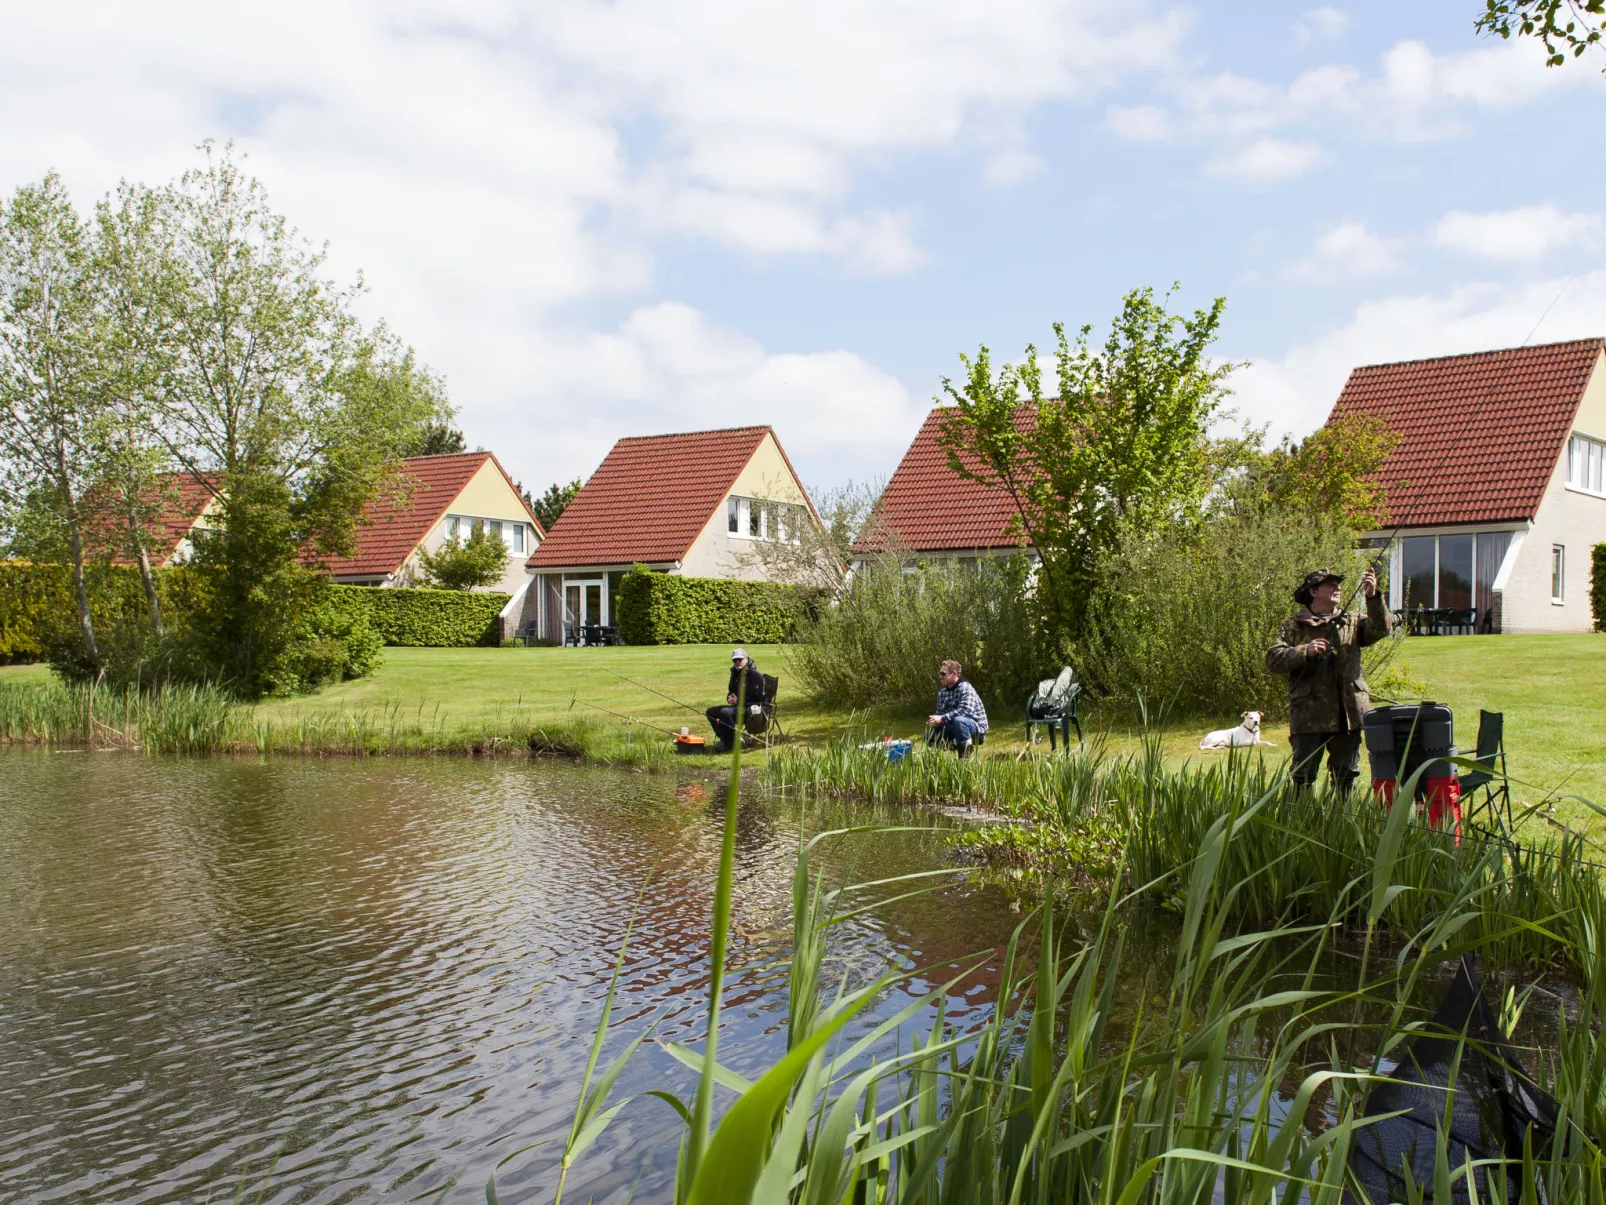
[755,683]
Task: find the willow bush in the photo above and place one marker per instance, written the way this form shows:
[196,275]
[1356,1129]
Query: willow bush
[1182,618]
[885,636]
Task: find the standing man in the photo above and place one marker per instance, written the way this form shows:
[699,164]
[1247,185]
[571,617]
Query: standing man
[724,718]
[960,717]
[1320,651]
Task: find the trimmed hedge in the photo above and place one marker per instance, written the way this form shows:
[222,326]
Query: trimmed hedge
[425,618]
[38,612]
[662,608]
[1597,587]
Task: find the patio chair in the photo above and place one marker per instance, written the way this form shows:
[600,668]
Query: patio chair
[1053,705]
[1491,753]
[772,688]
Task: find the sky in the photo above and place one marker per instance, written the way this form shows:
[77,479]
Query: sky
[600,219]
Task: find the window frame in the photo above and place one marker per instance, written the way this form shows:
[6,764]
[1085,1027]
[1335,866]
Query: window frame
[1558,575]
[1586,465]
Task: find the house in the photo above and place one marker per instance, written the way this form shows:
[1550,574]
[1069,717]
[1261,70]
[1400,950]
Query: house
[929,511]
[1495,488]
[447,496]
[693,503]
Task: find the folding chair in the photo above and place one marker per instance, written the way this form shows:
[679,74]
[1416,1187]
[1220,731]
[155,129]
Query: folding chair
[773,732]
[1491,753]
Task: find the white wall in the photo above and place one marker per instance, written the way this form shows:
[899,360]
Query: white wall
[486,496]
[1575,521]
[715,552]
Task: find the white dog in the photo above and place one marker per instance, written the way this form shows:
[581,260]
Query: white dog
[1247,733]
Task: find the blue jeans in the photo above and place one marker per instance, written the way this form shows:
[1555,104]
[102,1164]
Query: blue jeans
[958,732]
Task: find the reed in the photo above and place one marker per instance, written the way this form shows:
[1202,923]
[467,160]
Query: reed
[1245,1078]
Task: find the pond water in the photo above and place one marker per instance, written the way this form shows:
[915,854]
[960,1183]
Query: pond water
[336,981]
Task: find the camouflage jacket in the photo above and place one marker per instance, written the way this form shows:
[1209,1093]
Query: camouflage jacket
[1327,693]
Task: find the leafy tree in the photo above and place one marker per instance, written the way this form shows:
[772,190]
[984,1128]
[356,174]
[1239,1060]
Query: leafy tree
[276,398]
[1332,472]
[1564,26]
[549,507]
[816,555]
[438,439]
[50,406]
[1123,446]
[481,560]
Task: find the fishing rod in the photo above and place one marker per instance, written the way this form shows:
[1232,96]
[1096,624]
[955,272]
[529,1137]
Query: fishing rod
[1386,551]
[659,693]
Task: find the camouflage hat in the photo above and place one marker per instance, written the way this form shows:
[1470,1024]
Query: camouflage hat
[1313,579]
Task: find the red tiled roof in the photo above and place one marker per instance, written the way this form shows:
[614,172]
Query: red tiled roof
[927,507]
[391,527]
[1480,434]
[649,498]
[184,496]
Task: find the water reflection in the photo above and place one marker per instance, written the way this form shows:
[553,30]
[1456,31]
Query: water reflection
[330,981]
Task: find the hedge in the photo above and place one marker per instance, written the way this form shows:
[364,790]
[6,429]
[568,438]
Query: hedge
[424,618]
[1597,587]
[38,611]
[661,608]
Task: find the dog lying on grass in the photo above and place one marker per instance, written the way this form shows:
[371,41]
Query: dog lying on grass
[1247,733]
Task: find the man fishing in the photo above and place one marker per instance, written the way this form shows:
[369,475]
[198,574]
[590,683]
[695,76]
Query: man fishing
[1320,651]
[960,718]
[723,718]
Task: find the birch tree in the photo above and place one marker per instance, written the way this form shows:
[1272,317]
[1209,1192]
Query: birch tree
[50,406]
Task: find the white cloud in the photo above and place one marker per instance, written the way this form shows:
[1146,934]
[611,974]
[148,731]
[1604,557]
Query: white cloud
[1524,235]
[491,165]
[1346,252]
[1321,24]
[1139,123]
[1268,160]
[1295,393]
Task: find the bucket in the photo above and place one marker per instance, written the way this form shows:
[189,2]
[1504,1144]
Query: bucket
[686,743]
[898,750]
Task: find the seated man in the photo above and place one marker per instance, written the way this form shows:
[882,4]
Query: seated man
[960,717]
[724,718]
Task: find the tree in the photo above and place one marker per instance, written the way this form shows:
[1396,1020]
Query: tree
[438,439]
[481,560]
[1564,26]
[274,397]
[1331,472]
[1124,446]
[549,507]
[816,555]
[50,406]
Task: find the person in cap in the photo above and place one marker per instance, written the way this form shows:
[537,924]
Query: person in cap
[723,718]
[1320,651]
[960,718]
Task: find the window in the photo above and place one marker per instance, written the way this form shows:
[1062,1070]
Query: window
[1586,465]
[516,542]
[1455,571]
[1558,574]
[761,519]
[1419,568]
[733,514]
[451,527]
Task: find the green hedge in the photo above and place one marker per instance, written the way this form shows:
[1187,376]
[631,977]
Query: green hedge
[661,608]
[422,618]
[1597,587]
[38,612]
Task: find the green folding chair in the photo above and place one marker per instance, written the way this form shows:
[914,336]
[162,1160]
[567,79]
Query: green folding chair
[1490,778]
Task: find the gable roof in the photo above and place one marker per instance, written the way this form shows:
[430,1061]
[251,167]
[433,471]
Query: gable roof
[183,498]
[927,507]
[1479,434]
[392,526]
[650,498]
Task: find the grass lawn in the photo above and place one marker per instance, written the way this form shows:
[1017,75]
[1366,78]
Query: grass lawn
[1552,690]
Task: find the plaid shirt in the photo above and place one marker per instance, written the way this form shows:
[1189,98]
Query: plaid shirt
[961,699]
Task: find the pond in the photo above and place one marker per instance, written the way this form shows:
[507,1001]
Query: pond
[337,980]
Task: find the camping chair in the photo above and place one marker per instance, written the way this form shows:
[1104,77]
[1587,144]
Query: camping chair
[1053,704]
[1492,782]
[770,733]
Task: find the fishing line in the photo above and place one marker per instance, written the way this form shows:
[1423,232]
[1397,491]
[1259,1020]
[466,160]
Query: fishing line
[659,693]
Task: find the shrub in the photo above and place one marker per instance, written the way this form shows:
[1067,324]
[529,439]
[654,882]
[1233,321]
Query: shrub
[661,608]
[1597,587]
[425,618]
[481,560]
[886,635]
[1182,619]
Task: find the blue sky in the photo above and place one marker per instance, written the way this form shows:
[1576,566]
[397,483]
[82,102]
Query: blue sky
[603,219]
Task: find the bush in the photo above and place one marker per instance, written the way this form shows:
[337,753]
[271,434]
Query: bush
[1597,587]
[662,608]
[885,637]
[425,618]
[1183,619]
